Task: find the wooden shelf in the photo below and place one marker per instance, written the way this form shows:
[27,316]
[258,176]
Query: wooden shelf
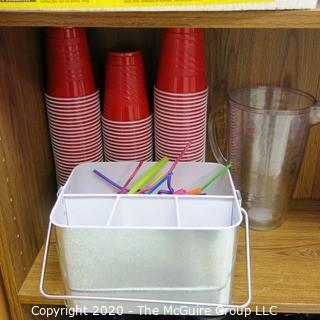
[235,19]
[285,268]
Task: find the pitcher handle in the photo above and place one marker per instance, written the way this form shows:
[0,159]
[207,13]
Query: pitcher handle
[315,114]
[213,139]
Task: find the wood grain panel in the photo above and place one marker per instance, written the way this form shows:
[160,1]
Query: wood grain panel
[26,170]
[284,268]
[240,58]
[241,19]
[4,309]
[316,184]
[103,40]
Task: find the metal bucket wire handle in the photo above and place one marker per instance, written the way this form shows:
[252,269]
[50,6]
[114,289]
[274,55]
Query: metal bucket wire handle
[74,297]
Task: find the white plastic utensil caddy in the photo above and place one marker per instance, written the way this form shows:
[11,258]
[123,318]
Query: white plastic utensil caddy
[138,251]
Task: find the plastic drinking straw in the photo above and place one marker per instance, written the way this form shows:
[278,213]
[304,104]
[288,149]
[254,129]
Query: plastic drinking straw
[170,189]
[152,171]
[185,149]
[164,192]
[114,184]
[210,181]
[181,191]
[159,183]
[156,180]
[169,184]
[173,166]
[133,174]
[195,191]
[224,170]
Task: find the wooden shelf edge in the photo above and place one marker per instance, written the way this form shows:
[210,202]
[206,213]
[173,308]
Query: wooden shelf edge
[284,268]
[305,205]
[286,308]
[205,19]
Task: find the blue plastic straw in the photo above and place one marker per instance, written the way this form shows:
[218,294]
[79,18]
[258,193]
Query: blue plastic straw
[155,187]
[170,189]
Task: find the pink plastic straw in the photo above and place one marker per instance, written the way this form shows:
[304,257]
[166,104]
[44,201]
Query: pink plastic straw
[183,152]
[159,177]
[133,174]
[181,191]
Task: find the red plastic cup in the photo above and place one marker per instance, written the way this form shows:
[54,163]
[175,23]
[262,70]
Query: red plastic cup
[196,145]
[159,156]
[144,157]
[127,131]
[75,126]
[121,130]
[79,107]
[84,141]
[182,115]
[180,132]
[183,118]
[177,150]
[65,33]
[128,144]
[115,153]
[73,133]
[186,157]
[119,133]
[126,141]
[180,96]
[147,157]
[125,87]
[65,111]
[181,126]
[180,102]
[89,136]
[175,154]
[74,120]
[128,147]
[179,105]
[69,69]
[82,147]
[182,61]
[161,139]
[71,101]
[78,154]
[128,124]
[78,158]
[181,142]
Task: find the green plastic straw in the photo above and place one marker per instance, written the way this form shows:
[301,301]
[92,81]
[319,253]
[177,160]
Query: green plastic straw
[149,175]
[215,177]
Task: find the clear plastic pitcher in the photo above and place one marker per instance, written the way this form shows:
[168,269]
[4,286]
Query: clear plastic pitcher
[268,130]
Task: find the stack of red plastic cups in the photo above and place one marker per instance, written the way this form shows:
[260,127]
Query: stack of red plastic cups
[180,95]
[72,101]
[127,121]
